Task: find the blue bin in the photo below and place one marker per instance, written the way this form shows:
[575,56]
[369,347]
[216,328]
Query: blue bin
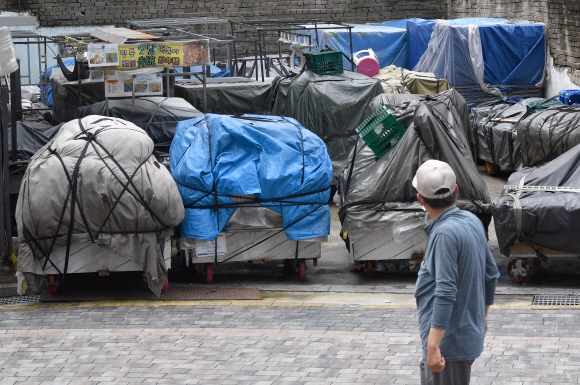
[570,97]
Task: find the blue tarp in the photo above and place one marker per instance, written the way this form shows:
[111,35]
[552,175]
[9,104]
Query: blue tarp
[388,41]
[513,53]
[276,160]
[46,75]
[215,72]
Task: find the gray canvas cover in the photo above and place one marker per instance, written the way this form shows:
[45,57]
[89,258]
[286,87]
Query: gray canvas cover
[548,219]
[331,106]
[494,126]
[548,134]
[97,181]
[157,115]
[375,192]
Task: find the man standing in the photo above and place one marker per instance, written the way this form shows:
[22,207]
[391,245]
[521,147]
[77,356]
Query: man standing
[456,282]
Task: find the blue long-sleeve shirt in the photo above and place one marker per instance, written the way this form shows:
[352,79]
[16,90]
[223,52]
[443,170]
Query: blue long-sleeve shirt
[456,281]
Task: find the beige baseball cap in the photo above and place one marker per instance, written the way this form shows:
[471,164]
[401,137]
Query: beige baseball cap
[432,176]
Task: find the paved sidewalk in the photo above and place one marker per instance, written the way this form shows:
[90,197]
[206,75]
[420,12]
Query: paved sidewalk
[363,340]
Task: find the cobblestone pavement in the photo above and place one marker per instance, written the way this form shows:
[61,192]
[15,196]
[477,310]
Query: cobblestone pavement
[329,344]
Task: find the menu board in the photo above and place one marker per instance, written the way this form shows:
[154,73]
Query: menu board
[120,84]
[150,54]
[103,55]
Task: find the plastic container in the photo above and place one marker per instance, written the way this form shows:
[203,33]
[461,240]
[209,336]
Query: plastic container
[569,97]
[324,62]
[8,63]
[367,65]
[380,131]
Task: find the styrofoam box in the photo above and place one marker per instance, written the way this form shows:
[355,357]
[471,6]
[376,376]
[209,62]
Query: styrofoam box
[264,245]
[380,245]
[88,257]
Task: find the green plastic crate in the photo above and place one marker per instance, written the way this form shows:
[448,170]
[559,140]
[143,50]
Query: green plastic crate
[380,131]
[541,105]
[324,62]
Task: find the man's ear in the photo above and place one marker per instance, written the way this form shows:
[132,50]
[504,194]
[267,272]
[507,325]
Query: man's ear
[419,199]
[456,191]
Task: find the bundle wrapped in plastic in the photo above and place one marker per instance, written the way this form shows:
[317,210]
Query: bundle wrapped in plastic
[494,126]
[254,170]
[402,81]
[548,134]
[376,193]
[541,206]
[96,182]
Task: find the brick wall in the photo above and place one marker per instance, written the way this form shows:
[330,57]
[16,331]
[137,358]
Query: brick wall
[90,12]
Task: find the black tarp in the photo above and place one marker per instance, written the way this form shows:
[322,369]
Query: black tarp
[331,106]
[548,219]
[225,95]
[375,192]
[68,96]
[494,126]
[157,115]
[548,134]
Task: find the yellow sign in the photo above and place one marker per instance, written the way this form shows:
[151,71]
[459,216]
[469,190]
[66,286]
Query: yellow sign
[163,54]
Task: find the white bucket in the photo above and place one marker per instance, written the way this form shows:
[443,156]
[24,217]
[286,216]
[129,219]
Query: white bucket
[8,63]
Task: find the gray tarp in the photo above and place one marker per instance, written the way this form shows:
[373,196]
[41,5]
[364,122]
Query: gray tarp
[90,162]
[377,192]
[546,135]
[331,106]
[157,115]
[494,126]
[225,95]
[548,219]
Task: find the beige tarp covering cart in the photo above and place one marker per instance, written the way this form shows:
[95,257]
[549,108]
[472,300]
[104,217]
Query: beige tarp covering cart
[397,80]
[95,199]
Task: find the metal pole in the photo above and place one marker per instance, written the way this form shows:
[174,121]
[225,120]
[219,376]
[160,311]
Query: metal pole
[5,226]
[204,81]
[261,56]
[351,52]
[15,108]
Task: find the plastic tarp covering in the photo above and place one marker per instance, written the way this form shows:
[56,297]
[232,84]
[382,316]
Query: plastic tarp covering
[494,126]
[96,181]
[68,96]
[548,219]
[480,51]
[222,163]
[388,41]
[157,115]
[402,81]
[403,107]
[230,95]
[375,192]
[548,134]
[330,106]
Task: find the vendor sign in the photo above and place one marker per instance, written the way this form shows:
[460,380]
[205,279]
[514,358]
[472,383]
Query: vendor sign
[120,84]
[150,54]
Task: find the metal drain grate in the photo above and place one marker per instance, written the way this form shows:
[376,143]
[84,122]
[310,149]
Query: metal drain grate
[19,300]
[556,300]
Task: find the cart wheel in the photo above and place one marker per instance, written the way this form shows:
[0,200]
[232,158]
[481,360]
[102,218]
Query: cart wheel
[208,273]
[301,269]
[370,272]
[516,270]
[52,288]
[492,169]
[165,287]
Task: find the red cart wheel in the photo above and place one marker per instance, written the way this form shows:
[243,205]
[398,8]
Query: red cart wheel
[301,269]
[370,272]
[516,270]
[165,287]
[208,272]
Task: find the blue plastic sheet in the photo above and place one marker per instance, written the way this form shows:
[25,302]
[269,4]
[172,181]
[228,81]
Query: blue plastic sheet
[215,72]
[513,53]
[274,159]
[387,40]
[46,75]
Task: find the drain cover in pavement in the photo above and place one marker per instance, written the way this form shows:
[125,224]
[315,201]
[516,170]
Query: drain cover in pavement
[19,300]
[556,300]
[100,293]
